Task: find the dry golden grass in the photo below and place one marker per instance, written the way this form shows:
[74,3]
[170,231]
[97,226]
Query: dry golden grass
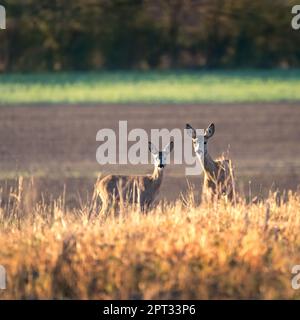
[180,251]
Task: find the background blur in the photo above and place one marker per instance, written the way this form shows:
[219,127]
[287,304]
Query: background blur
[147,34]
[71,68]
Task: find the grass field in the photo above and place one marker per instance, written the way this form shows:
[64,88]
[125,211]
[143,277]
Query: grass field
[178,251]
[56,144]
[183,249]
[152,87]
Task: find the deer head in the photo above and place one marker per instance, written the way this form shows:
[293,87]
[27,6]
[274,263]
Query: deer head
[197,140]
[160,157]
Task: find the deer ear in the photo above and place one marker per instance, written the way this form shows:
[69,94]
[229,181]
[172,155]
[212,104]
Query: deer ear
[210,130]
[152,148]
[191,131]
[169,147]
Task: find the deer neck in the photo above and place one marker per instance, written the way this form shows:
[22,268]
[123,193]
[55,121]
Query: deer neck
[209,164]
[157,175]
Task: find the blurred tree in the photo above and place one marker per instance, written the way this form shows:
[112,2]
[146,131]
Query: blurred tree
[143,34]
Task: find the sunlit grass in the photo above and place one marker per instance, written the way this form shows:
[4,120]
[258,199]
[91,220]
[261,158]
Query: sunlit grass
[181,251]
[152,87]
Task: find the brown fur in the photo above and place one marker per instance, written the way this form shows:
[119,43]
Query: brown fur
[218,179]
[114,190]
[218,174]
[117,191]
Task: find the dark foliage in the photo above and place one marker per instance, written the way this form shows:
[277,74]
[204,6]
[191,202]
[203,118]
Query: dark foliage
[45,35]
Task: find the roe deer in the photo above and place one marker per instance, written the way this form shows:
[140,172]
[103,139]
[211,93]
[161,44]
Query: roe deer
[140,190]
[218,174]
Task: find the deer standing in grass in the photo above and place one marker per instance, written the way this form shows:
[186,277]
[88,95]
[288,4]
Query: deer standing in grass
[218,174]
[114,190]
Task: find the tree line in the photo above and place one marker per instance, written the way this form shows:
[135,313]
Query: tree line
[61,35]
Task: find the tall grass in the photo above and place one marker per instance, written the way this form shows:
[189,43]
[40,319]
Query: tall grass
[151,87]
[181,250]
